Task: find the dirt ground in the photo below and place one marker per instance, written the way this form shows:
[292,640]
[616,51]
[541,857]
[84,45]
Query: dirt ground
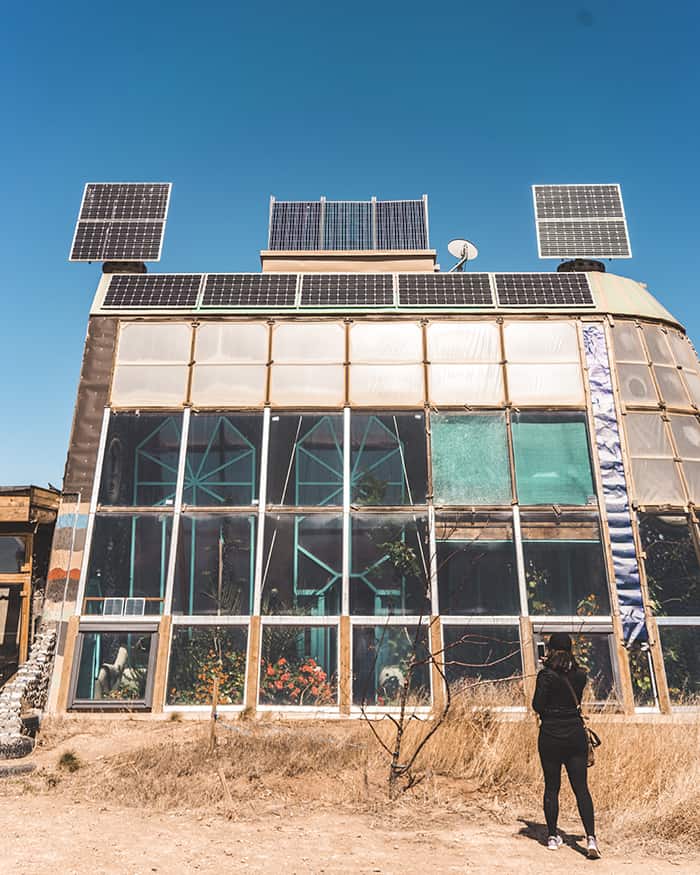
[62,829]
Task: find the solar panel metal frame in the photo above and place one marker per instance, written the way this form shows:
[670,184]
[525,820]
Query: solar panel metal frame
[600,219]
[437,277]
[545,305]
[153,279]
[208,307]
[312,279]
[163,219]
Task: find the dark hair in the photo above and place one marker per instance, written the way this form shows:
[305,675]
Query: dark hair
[561,660]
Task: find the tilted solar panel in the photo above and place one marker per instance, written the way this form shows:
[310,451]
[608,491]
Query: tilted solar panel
[119,241]
[578,202]
[125,200]
[250,290]
[543,290]
[149,290]
[347,290]
[445,290]
[583,239]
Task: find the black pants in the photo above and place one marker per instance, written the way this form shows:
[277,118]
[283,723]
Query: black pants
[567,746]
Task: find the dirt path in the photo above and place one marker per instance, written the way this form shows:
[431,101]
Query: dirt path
[59,835]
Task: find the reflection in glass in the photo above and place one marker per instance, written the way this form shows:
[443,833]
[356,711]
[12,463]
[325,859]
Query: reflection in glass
[383,657]
[202,655]
[306,460]
[484,656]
[671,563]
[681,649]
[593,652]
[299,665]
[114,666]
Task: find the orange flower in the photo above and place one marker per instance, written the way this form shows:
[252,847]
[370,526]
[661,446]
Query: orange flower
[279,685]
[281,661]
[270,671]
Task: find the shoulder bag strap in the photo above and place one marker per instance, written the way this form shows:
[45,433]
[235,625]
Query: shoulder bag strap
[573,694]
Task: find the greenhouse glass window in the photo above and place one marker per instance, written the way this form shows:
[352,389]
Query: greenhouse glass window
[681,650]
[484,662]
[552,459]
[470,459]
[222,467]
[594,652]
[299,666]
[476,565]
[305,460]
[389,565]
[565,569]
[13,551]
[388,463]
[199,655]
[128,564]
[215,564]
[671,564]
[141,460]
[382,657]
[303,564]
[115,668]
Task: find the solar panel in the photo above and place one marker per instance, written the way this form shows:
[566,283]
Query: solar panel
[402,225]
[543,290]
[347,225]
[295,225]
[121,221]
[580,221]
[153,290]
[250,290]
[445,289]
[347,290]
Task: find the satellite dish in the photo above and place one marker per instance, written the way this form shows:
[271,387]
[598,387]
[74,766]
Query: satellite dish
[464,250]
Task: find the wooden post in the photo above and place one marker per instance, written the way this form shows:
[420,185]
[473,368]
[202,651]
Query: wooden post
[212,719]
[657,661]
[160,679]
[252,669]
[529,663]
[436,650]
[68,654]
[345,667]
[623,664]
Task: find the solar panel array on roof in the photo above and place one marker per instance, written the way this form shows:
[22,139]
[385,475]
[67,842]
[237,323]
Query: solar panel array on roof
[347,225]
[122,241]
[347,290]
[543,290]
[295,225]
[578,202]
[401,225]
[445,289]
[153,290]
[250,290]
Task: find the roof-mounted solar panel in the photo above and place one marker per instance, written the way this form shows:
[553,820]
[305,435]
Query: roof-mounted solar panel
[543,290]
[347,290]
[152,290]
[121,221]
[580,221]
[402,224]
[445,290]
[250,290]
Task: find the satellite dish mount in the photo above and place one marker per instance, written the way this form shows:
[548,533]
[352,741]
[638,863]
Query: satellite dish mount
[464,250]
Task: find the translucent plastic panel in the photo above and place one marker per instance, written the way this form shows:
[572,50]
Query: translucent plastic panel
[306,460]
[463,342]
[149,385]
[383,658]
[552,459]
[299,665]
[387,385]
[541,342]
[636,385]
[672,389]
[214,565]
[303,564]
[671,564]
[692,381]
[681,650]
[628,343]
[646,435]
[141,342]
[692,476]
[683,352]
[477,654]
[466,384]
[229,385]
[301,342]
[386,342]
[244,343]
[201,655]
[298,385]
[656,481]
[470,459]
[141,460]
[114,667]
[659,350]
[686,431]
[545,384]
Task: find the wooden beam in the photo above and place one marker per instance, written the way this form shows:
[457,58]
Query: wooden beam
[67,669]
[252,670]
[527,648]
[161,670]
[345,667]
[14,509]
[436,649]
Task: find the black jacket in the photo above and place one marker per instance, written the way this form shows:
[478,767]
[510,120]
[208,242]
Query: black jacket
[553,699]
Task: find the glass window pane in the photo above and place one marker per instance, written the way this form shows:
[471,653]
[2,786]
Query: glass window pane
[463,342]
[141,342]
[386,342]
[657,345]
[299,665]
[636,385]
[230,385]
[686,431]
[540,342]
[564,565]
[149,385]
[466,384]
[228,343]
[485,661]
[692,381]
[306,460]
[223,459]
[129,561]
[683,352]
[13,553]
[201,654]
[114,666]
[470,459]
[681,649]
[593,652]
[388,464]
[215,564]
[692,476]
[628,343]
[10,623]
[671,564]
[671,386]
[476,564]
[317,385]
[552,460]
[389,564]
[545,384]
[656,481]
[646,435]
[300,342]
[641,671]
[382,656]
[141,460]
[388,385]
[303,564]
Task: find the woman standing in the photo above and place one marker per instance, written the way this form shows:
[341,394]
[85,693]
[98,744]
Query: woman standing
[562,739]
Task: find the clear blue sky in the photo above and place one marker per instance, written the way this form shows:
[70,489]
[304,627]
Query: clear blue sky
[470,103]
